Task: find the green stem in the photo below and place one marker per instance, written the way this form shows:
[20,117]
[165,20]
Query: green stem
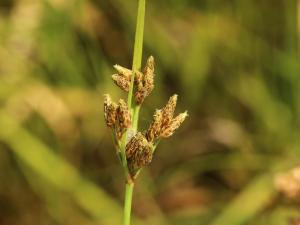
[127,203]
[135,119]
[138,46]
[136,65]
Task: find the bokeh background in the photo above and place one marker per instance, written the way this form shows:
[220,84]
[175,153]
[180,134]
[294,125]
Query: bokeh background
[234,64]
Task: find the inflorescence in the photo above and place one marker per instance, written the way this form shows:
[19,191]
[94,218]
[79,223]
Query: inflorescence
[139,146]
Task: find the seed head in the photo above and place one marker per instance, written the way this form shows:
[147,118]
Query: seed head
[110,111]
[138,153]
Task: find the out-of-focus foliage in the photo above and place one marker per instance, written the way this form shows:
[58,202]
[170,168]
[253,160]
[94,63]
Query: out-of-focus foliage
[235,65]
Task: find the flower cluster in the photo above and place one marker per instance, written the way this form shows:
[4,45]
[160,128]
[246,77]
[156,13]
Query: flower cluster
[144,81]
[116,116]
[140,146]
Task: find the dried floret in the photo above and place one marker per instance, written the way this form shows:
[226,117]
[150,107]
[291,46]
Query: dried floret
[138,153]
[164,125]
[110,111]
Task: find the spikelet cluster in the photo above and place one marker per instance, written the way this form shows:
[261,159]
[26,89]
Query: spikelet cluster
[144,81]
[139,147]
[138,153]
[163,124]
[117,116]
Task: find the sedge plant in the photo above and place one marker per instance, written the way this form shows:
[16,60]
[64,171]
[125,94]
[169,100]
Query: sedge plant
[134,148]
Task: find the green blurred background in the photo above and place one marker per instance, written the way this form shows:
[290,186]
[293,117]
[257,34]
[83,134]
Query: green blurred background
[234,64]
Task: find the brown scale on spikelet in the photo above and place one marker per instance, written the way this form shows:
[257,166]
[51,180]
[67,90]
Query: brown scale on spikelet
[173,125]
[138,153]
[144,81]
[123,78]
[155,127]
[149,74]
[168,110]
[121,82]
[164,125]
[123,118]
[110,111]
[146,84]
[117,116]
[138,77]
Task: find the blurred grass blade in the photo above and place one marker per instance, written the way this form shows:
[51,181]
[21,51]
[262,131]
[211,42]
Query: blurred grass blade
[248,203]
[58,172]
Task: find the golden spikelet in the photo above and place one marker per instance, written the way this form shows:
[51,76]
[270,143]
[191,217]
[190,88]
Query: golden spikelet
[123,78]
[121,82]
[110,111]
[149,75]
[145,83]
[173,125]
[123,72]
[139,153]
[164,125]
[155,127]
[168,110]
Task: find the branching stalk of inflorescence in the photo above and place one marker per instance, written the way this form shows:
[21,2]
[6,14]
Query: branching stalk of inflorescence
[135,149]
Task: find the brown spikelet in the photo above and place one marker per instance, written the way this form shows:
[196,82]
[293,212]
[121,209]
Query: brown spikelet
[164,125]
[173,125]
[124,72]
[138,153]
[168,110]
[149,74]
[121,82]
[145,81]
[123,116]
[155,128]
[110,111]
[149,68]
[140,95]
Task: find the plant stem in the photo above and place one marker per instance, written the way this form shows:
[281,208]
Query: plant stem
[127,205]
[135,118]
[138,46]
[136,65]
